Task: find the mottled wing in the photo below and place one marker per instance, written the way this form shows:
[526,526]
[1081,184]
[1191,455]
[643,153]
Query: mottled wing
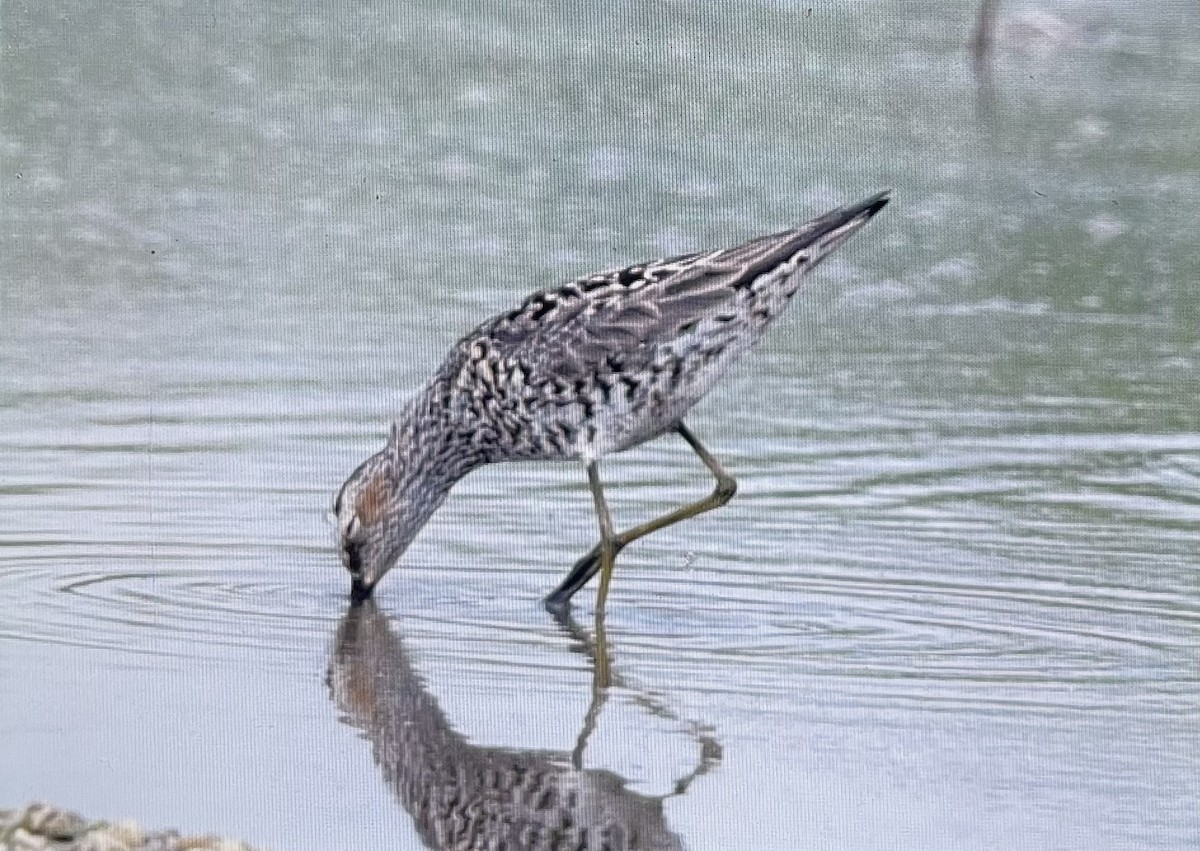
[572,331]
[611,320]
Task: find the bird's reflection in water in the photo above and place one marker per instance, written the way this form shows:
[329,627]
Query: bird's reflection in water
[981,48]
[466,796]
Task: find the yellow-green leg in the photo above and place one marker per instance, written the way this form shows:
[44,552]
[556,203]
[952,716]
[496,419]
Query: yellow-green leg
[603,556]
[608,552]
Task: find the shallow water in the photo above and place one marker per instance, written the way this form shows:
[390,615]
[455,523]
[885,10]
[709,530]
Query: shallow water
[955,603]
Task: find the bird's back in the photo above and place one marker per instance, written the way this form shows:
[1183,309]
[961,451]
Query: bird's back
[608,361]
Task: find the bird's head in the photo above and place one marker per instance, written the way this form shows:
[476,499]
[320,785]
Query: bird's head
[378,513]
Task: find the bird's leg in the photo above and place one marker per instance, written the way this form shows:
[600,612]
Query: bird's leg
[601,680]
[604,676]
[590,564]
[608,552]
[724,490]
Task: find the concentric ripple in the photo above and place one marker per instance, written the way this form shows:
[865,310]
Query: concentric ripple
[966,573]
[184,612]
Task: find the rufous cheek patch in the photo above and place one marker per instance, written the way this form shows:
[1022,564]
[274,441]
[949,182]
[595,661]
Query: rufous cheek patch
[371,501]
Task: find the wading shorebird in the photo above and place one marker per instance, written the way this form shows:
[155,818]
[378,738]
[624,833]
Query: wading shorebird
[595,366]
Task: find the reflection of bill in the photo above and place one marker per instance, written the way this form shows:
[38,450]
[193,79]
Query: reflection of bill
[464,796]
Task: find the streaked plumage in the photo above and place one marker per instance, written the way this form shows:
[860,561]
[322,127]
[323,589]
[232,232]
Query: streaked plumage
[594,366]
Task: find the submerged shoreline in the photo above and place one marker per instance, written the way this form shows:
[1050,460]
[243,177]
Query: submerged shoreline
[45,826]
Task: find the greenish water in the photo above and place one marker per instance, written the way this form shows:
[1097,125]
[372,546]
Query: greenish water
[955,603]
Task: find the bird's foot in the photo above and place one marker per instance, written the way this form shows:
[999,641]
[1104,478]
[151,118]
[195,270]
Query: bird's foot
[558,602]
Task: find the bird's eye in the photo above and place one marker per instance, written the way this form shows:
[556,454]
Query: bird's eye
[353,558]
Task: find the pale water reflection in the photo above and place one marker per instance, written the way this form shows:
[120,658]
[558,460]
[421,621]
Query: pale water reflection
[462,795]
[955,603]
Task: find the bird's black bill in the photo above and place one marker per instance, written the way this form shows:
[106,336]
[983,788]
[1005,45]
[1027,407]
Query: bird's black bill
[360,591]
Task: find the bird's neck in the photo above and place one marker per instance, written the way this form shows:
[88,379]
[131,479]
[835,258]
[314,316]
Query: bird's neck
[434,451]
